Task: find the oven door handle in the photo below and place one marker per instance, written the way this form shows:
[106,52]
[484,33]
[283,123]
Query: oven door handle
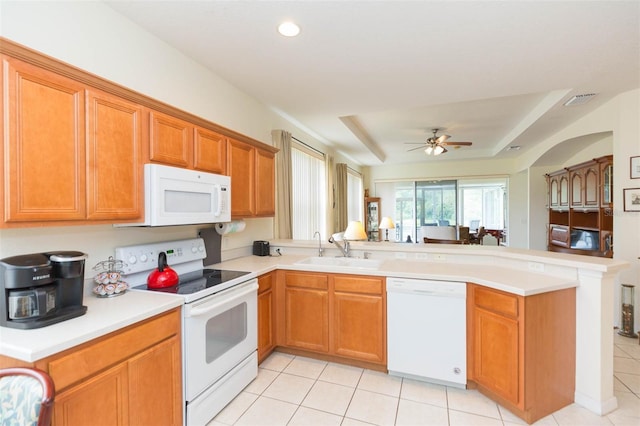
[236,294]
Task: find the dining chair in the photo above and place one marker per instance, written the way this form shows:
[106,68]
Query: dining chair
[26,397]
[478,236]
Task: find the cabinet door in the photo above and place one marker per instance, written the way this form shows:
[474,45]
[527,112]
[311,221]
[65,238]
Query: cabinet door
[45,149]
[171,140]
[495,353]
[576,189]
[606,173]
[591,178]
[266,340]
[210,151]
[155,385]
[265,184]
[241,168]
[114,153]
[564,190]
[99,400]
[307,319]
[359,327]
[553,192]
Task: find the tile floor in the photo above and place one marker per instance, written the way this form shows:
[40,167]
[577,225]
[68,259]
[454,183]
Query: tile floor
[292,390]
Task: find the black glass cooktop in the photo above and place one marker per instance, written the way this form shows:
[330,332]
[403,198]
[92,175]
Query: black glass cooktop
[194,282]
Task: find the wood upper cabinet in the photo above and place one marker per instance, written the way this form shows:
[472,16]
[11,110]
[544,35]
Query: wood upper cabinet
[45,149]
[114,155]
[61,167]
[241,168]
[359,318]
[171,140]
[266,313]
[179,143]
[584,180]
[606,181]
[252,172]
[521,350]
[210,151]
[265,183]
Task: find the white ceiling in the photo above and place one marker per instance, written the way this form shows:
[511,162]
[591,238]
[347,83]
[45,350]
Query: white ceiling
[368,76]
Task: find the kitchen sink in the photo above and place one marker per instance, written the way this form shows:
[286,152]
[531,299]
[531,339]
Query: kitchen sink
[341,262]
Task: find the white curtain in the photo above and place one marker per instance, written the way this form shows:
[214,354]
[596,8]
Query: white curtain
[341,206]
[283,226]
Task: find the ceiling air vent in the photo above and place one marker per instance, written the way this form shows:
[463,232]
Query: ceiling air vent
[579,99]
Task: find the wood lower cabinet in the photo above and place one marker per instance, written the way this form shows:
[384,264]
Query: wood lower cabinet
[359,318]
[521,350]
[266,313]
[306,311]
[129,377]
[342,316]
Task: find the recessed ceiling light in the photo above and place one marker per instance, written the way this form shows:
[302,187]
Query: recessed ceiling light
[288,29]
[514,148]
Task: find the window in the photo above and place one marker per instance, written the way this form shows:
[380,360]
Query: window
[464,202]
[355,197]
[308,196]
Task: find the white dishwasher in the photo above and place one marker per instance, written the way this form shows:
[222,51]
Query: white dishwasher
[426,330]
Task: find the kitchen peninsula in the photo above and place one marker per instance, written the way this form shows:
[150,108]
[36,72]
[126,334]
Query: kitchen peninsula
[514,271]
[521,273]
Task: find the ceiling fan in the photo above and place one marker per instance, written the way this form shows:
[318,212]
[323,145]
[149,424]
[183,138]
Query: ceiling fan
[435,145]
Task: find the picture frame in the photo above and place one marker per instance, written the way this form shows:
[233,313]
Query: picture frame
[631,198]
[635,167]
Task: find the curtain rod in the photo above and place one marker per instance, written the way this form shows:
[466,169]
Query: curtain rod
[308,146]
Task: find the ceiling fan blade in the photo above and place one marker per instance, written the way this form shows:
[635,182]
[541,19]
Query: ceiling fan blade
[415,149]
[458,143]
[442,138]
[414,143]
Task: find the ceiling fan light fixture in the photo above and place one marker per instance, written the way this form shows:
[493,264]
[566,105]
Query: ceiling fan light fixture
[428,150]
[438,150]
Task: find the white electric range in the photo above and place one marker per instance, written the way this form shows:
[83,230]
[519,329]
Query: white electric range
[219,322]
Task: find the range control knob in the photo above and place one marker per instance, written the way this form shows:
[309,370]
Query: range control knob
[194,249]
[132,259]
[201,249]
[143,258]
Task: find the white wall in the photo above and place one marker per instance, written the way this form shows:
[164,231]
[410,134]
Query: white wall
[517,210]
[93,37]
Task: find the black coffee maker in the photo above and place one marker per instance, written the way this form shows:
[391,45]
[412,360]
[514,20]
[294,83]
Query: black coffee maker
[41,289]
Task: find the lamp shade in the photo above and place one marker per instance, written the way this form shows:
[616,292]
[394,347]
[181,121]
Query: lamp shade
[386,223]
[355,231]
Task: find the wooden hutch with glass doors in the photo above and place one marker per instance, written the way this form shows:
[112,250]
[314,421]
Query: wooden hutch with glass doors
[580,205]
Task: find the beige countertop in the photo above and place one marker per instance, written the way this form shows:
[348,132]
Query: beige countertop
[507,279]
[107,315]
[104,315]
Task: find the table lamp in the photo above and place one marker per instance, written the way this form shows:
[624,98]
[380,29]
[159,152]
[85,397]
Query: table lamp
[355,231]
[386,223]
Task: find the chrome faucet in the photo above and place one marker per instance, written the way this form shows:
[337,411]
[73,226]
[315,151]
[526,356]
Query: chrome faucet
[320,249]
[344,249]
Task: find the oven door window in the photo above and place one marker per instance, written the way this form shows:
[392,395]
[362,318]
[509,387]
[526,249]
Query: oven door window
[225,331]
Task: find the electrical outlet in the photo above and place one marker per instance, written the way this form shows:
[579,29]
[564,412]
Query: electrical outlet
[536,267]
[401,255]
[421,256]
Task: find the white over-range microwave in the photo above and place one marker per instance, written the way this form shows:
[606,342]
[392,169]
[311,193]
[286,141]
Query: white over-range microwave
[175,196]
